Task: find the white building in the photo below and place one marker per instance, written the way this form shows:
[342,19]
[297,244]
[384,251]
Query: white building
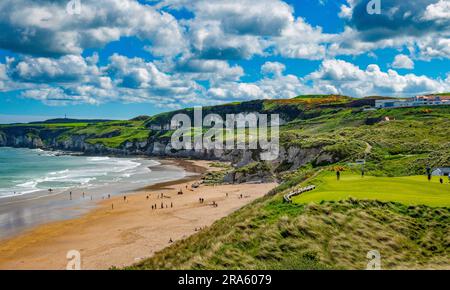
[413,102]
[443,171]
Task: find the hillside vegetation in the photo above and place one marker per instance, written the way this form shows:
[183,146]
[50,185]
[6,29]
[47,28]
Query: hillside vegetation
[405,144]
[333,129]
[393,209]
[270,234]
[405,218]
[112,134]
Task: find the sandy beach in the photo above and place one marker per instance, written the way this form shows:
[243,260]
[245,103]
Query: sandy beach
[120,232]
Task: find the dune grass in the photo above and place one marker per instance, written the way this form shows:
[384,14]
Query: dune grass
[406,219]
[408,190]
[270,234]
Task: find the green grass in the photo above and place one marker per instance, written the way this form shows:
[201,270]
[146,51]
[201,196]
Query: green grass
[112,134]
[270,234]
[125,135]
[394,209]
[410,190]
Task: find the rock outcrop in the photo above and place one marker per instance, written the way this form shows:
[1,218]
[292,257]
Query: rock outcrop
[289,158]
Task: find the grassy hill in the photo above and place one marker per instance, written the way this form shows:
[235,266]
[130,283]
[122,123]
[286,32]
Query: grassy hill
[406,219]
[270,234]
[112,134]
[395,142]
[404,145]
[393,209]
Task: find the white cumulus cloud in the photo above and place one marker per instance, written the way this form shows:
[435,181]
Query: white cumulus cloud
[403,61]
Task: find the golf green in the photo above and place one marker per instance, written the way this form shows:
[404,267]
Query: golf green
[410,190]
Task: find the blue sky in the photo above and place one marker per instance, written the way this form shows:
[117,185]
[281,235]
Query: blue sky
[117,59]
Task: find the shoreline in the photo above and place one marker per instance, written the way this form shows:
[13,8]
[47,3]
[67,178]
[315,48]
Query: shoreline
[119,233]
[24,211]
[189,166]
[84,207]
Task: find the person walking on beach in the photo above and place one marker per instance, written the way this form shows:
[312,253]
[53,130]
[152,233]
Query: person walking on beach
[441,180]
[112,206]
[338,175]
[109,196]
[70,194]
[162,205]
[83,194]
[125,198]
[171,205]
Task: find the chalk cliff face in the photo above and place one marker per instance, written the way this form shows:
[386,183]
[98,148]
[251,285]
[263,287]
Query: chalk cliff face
[150,136]
[2,139]
[290,158]
[294,156]
[27,141]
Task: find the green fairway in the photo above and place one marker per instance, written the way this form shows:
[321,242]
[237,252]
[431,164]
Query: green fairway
[411,190]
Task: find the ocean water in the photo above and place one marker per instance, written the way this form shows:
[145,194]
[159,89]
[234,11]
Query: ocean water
[26,175]
[24,171]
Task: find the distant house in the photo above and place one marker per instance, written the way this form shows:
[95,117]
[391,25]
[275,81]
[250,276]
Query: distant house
[442,171]
[165,127]
[413,102]
[155,127]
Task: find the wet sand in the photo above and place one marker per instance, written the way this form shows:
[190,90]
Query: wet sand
[23,212]
[120,233]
